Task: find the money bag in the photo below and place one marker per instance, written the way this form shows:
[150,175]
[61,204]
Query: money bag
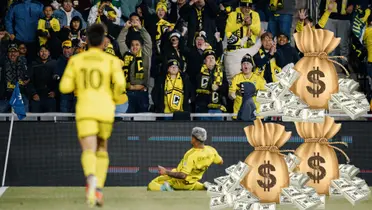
[269,171]
[318,78]
[318,157]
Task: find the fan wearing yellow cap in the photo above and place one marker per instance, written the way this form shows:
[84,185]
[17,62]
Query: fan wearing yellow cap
[247,75]
[242,23]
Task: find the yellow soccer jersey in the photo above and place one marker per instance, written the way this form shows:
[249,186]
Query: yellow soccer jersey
[367,39]
[98,80]
[196,161]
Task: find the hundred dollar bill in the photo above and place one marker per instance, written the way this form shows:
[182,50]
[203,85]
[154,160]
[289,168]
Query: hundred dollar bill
[334,108]
[295,102]
[242,205]
[342,185]
[364,188]
[348,171]
[220,180]
[288,67]
[220,202]
[247,196]
[355,196]
[270,86]
[342,99]
[287,78]
[334,193]
[240,171]
[279,91]
[230,184]
[293,193]
[230,169]
[292,114]
[348,85]
[322,201]
[215,190]
[356,95]
[263,96]
[263,206]
[284,200]
[298,179]
[356,181]
[238,191]
[292,161]
[363,103]
[208,184]
[354,111]
[271,108]
[307,190]
[307,202]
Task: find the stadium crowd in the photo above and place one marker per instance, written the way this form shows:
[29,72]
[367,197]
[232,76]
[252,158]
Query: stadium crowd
[179,56]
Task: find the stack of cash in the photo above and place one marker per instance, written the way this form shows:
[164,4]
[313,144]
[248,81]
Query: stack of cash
[292,161]
[228,192]
[348,100]
[349,186]
[302,197]
[295,114]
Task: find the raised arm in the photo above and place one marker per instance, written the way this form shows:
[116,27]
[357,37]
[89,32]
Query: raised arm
[122,39]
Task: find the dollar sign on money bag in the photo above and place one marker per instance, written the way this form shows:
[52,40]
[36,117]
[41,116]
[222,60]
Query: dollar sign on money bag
[319,159]
[318,171]
[269,179]
[318,76]
[318,85]
[269,171]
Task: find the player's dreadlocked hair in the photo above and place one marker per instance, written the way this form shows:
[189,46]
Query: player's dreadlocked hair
[96,34]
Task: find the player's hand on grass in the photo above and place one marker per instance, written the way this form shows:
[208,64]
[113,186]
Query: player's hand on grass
[162,170]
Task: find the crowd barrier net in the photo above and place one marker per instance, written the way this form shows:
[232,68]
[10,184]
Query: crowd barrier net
[47,153]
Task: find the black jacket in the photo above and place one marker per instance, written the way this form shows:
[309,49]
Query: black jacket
[158,94]
[41,77]
[189,14]
[286,54]
[3,92]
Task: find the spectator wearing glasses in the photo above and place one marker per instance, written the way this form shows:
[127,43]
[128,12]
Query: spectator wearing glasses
[42,86]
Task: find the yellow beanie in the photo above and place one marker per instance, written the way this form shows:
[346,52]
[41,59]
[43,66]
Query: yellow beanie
[161,5]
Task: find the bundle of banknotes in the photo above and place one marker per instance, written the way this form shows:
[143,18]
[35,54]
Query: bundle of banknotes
[227,192]
[348,101]
[353,188]
[278,100]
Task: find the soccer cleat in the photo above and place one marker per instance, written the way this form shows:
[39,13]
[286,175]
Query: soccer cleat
[166,187]
[99,198]
[90,193]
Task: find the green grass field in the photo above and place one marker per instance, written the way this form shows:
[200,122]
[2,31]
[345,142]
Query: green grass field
[125,198]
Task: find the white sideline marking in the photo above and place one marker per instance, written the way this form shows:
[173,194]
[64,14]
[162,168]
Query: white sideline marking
[2,190]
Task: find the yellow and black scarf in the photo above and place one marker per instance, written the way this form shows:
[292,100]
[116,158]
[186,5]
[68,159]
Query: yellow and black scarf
[129,58]
[199,13]
[209,78]
[174,95]
[161,27]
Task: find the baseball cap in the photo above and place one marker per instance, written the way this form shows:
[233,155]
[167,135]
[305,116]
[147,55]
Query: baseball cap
[246,3]
[199,133]
[248,58]
[208,52]
[67,43]
[13,47]
[173,62]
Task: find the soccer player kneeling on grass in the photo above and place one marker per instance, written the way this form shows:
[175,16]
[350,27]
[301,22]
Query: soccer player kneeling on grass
[98,81]
[191,168]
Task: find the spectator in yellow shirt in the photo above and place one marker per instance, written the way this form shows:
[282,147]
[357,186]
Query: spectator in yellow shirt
[243,22]
[246,75]
[367,39]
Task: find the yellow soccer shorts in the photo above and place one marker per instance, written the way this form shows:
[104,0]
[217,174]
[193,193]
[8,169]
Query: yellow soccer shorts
[93,127]
[176,184]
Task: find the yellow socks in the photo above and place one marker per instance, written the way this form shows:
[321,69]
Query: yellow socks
[102,165]
[88,161]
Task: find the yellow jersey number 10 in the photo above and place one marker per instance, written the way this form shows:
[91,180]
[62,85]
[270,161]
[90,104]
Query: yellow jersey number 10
[92,78]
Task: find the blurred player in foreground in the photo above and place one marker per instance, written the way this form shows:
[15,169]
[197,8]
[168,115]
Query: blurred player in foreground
[98,81]
[191,168]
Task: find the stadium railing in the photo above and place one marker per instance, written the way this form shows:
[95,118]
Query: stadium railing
[58,117]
